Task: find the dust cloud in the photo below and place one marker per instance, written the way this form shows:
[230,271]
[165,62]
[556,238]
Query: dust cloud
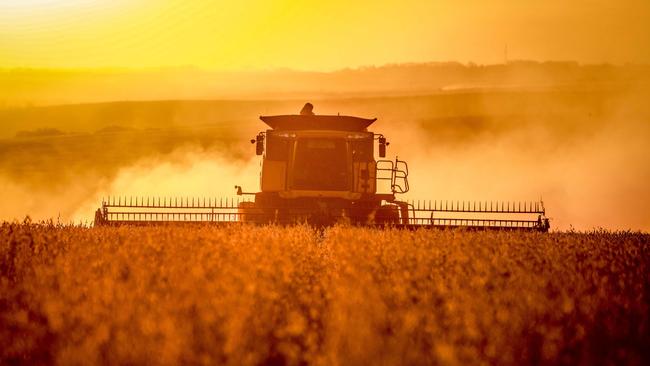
[590,172]
[186,173]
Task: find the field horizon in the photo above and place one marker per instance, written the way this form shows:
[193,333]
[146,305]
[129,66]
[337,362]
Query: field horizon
[28,87]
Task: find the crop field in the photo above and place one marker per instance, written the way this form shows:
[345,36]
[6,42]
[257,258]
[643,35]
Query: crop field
[244,295]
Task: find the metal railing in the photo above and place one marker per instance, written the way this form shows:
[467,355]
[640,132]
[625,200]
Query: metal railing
[396,172]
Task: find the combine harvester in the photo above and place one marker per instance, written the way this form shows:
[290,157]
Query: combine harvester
[321,169]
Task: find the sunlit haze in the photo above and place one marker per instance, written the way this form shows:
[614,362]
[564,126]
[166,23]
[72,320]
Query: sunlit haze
[317,35]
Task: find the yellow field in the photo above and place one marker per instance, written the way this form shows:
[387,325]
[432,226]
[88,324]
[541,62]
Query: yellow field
[345,296]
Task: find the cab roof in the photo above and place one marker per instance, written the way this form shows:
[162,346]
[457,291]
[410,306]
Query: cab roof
[317,122]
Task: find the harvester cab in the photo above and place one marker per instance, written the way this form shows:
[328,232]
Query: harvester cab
[324,169]
[321,168]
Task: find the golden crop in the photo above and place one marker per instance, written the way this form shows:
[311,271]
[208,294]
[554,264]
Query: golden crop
[243,295]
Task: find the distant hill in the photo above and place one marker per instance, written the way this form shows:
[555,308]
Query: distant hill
[41,132]
[28,87]
[561,107]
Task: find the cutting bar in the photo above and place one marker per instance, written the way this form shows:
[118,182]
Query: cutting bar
[478,214]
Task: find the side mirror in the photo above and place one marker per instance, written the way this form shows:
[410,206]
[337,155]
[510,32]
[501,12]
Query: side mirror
[382,147]
[259,144]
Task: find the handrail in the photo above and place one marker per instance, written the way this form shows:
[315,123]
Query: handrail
[398,176]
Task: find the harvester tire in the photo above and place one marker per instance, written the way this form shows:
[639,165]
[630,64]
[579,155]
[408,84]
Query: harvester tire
[247,212]
[387,215]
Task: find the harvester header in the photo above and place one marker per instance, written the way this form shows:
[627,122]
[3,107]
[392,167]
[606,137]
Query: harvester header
[324,169]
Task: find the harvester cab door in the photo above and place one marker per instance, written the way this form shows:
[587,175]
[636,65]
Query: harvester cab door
[364,177]
[363,166]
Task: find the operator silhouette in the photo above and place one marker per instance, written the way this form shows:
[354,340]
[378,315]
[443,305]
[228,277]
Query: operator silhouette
[307,110]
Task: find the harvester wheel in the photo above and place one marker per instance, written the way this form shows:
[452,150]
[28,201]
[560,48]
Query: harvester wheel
[99,218]
[247,212]
[387,215]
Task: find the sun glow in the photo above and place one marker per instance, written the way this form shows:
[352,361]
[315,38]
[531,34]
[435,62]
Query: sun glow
[58,16]
[48,4]
[28,3]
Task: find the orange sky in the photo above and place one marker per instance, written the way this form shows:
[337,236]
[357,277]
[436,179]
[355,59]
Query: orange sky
[317,35]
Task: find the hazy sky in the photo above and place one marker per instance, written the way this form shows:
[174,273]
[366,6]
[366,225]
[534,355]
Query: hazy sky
[317,35]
